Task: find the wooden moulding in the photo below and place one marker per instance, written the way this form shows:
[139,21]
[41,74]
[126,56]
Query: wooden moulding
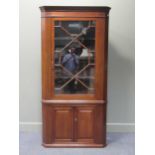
[74,101]
[74,11]
[75,8]
[93,145]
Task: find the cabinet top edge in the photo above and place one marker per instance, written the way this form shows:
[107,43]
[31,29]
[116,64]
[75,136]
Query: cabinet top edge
[105,9]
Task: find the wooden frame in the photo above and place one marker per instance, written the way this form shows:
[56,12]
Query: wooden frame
[85,114]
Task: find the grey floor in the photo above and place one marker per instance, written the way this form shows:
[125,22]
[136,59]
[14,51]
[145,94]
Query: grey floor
[118,144]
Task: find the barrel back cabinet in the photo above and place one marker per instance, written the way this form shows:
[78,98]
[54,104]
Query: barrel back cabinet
[74,75]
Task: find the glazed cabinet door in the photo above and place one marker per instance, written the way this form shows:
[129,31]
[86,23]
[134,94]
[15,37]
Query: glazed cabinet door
[85,124]
[74,58]
[63,124]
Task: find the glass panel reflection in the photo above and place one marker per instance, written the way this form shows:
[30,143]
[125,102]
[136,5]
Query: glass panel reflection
[74,57]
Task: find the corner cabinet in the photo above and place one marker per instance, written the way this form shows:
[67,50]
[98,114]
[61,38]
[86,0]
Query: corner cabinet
[74,75]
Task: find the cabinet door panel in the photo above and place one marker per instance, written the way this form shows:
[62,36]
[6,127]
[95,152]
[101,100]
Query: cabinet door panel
[85,124]
[63,124]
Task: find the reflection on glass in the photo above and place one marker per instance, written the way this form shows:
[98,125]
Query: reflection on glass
[74,57]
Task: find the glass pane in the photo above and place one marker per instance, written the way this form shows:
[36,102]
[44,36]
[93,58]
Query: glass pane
[87,76]
[74,57]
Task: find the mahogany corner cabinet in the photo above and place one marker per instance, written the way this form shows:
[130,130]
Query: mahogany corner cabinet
[74,75]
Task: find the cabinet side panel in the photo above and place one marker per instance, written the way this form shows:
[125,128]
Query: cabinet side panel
[46,57]
[47,124]
[105,59]
[101,58]
[100,124]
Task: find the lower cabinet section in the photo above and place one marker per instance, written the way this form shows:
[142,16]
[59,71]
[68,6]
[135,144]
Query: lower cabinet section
[74,125]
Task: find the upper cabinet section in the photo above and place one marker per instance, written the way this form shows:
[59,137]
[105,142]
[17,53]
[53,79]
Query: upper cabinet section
[74,11]
[74,52]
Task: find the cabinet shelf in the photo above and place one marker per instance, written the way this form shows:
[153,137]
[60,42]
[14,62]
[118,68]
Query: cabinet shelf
[69,38]
[60,50]
[79,77]
[89,91]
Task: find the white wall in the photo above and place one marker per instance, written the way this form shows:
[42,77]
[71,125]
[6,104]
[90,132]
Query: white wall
[121,62]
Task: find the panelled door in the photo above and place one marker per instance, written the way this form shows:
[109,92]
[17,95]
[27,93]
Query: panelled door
[85,124]
[73,124]
[63,124]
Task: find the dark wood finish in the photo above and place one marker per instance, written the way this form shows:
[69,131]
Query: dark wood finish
[72,11]
[85,124]
[74,120]
[63,124]
[74,14]
[71,124]
[75,8]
